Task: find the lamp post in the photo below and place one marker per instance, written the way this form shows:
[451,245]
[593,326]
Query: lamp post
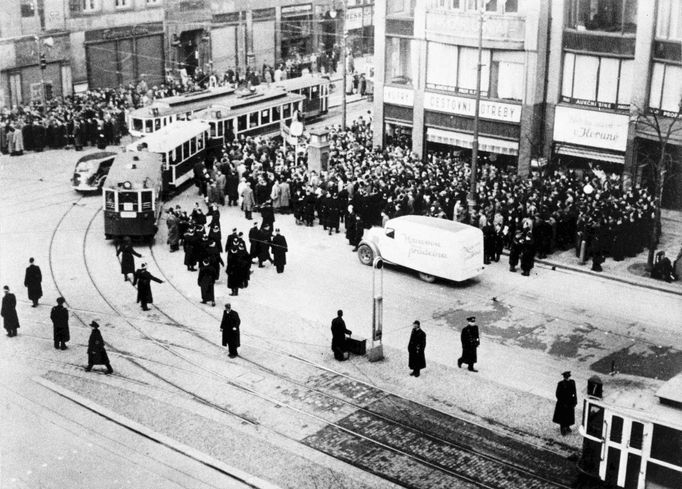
[43,66]
[344,36]
[376,351]
[477,107]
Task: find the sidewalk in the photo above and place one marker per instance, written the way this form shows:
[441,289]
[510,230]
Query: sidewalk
[630,270]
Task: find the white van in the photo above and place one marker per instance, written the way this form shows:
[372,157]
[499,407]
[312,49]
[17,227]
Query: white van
[433,247]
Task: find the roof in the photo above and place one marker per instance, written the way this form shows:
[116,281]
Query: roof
[302,82]
[134,168]
[671,392]
[99,155]
[435,222]
[188,102]
[245,108]
[170,136]
[194,96]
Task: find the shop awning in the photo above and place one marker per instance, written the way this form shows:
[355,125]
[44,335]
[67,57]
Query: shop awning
[464,140]
[589,153]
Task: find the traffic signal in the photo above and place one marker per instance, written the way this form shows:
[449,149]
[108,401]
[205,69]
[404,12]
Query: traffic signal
[43,62]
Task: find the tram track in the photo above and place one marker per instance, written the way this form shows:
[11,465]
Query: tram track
[347,431]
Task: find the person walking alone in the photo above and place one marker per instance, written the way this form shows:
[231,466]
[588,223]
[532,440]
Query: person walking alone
[415,348]
[60,324]
[97,354]
[470,342]
[33,282]
[230,328]
[566,400]
[9,312]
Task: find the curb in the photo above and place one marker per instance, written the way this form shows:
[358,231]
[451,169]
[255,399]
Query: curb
[623,280]
[239,475]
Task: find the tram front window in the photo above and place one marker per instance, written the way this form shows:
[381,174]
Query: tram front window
[147,200]
[148,125]
[110,200]
[127,201]
[595,421]
[137,125]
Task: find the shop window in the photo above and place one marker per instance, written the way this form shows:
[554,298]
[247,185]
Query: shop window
[401,63]
[665,94]
[669,20]
[597,81]
[603,15]
[28,8]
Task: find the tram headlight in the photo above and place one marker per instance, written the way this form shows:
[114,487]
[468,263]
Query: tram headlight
[127,185]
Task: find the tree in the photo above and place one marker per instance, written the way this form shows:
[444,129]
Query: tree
[659,163]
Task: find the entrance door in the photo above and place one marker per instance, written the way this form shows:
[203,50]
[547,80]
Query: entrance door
[622,462]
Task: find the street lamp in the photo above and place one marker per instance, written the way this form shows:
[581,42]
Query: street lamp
[376,352]
[344,36]
[474,146]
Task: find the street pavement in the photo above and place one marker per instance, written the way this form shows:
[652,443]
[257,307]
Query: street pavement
[172,375]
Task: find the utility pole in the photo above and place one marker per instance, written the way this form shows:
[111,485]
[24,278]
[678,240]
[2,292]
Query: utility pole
[344,35]
[474,146]
[42,62]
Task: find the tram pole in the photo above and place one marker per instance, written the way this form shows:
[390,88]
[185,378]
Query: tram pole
[477,110]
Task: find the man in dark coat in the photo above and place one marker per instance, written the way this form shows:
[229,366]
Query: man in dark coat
[32,281]
[339,333]
[527,254]
[254,240]
[415,348]
[143,280]
[230,328]
[127,258]
[9,312]
[60,324]
[279,251]
[566,400]
[97,354]
[206,280]
[470,341]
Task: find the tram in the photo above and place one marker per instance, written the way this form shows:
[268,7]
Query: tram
[131,194]
[314,88]
[180,146]
[91,171]
[638,446]
[260,113]
[162,112]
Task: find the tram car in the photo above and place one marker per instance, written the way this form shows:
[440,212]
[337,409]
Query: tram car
[131,194]
[165,111]
[91,170]
[180,145]
[257,113]
[634,441]
[314,88]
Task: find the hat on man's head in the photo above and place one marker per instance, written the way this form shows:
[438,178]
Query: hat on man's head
[567,373]
[471,319]
[144,265]
[6,287]
[61,300]
[94,324]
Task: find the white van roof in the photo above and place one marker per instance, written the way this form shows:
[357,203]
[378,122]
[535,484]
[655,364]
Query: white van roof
[433,222]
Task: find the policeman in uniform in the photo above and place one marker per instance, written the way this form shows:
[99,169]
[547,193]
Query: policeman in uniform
[470,342]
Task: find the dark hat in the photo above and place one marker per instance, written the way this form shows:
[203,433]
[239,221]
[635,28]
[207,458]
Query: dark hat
[471,318]
[567,373]
[416,321]
[6,287]
[94,324]
[61,300]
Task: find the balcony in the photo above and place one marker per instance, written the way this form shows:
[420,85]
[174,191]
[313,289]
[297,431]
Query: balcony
[499,31]
[599,42]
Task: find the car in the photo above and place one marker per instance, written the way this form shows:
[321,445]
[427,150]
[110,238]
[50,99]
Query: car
[436,248]
[91,170]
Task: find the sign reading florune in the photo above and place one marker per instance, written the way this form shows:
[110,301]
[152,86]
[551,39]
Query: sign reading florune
[488,109]
[399,96]
[591,128]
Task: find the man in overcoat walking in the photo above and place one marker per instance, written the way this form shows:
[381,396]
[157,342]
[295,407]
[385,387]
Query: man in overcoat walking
[279,250]
[230,328]
[9,312]
[97,354]
[470,342]
[60,324]
[32,281]
[339,332]
[415,348]
[143,280]
[566,400]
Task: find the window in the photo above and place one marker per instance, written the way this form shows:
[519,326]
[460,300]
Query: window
[137,125]
[127,201]
[89,5]
[666,445]
[122,3]
[466,71]
[507,75]
[401,65]
[603,15]
[28,8]
[511,6]
[665,94]
[110,200]
[212,126]
[147,199]
[597,81]
[669,20]
[440,75]
[241,123]
[491,6]
[153,2]
[286,111]
[275,114]
[185,150]
[265,116]
[157,124]
[253,119]
[193,146]
[148,126]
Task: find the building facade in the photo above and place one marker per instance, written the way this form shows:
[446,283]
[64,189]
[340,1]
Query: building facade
[561,80]
[107,43]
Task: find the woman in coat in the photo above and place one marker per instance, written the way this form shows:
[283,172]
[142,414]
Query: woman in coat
[127,258]
[415,348]
[97,354]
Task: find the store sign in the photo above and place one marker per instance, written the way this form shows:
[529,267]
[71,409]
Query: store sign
[354,18]
[297,9]
[488,109]
[591,128]
[398,96]
[594,103]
